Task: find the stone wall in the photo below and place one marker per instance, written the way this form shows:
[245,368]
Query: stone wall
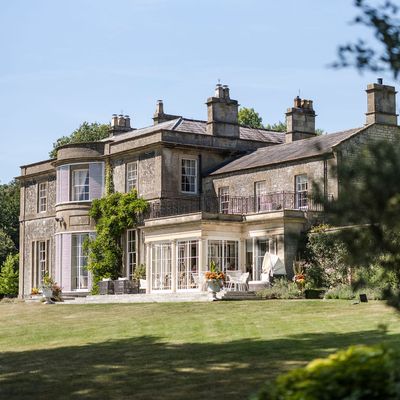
[278,178]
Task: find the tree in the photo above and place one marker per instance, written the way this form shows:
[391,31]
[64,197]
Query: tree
[7,246]
[87,132]
[9,276]
[9,206]
[279,127]
[249,117]
[369,207]
[385,25]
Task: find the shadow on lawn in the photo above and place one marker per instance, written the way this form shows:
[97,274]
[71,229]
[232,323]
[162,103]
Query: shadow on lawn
[147,368]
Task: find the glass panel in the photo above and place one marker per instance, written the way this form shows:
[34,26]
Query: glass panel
[301,191]
[79,272]
[42,261]
[131,176]
[131,253]
[224,253]
[223,194]
[262,203]
[188,265]
[42,197]
[161,266]
[80,185]
[189,176]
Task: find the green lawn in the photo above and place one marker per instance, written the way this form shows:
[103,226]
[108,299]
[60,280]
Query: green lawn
[220,350]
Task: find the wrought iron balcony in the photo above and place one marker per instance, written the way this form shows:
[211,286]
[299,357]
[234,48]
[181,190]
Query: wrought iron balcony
[233,205]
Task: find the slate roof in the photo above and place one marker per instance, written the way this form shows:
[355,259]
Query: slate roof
[199,127]
[299,149]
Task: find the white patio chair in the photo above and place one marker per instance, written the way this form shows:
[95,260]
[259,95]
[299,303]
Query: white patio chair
[243,282]
[234,280]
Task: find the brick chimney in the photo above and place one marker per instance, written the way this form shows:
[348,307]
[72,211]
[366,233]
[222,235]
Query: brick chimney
[120,124]
[159,116]
[381,107]
[222,114]
[300,120]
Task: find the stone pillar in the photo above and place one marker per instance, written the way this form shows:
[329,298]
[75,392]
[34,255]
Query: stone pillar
[202,259]
[148,267]
[241,255]
[253,261]
[174,267]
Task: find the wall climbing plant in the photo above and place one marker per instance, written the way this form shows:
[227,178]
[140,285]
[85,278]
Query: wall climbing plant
[114,214]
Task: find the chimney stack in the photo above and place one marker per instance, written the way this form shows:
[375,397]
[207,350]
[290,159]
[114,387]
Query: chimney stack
[222,114]
[300,120]
[159,115]
[120,124]
[381,108]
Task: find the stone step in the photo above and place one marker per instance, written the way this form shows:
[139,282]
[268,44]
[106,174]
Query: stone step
[140,298]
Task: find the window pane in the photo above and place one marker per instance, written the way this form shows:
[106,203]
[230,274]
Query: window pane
[301,186]
[223,194]
[80,185]
[79,272]
[131,253]
[131,176]
[189,176]
[42,197]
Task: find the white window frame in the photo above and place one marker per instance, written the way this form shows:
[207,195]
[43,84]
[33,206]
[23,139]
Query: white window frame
[42,260]
[224,199]
[260,194]
[221,259]
[42,197]
[81,260]
[192,179]
[187,264]
[161,266]
[301,191]
[132,176]
[75,194]
[131,252]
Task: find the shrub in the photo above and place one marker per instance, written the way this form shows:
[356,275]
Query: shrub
[281,289]
[359,372]
[327,258]
[346,292]
[340,292]
[9,276]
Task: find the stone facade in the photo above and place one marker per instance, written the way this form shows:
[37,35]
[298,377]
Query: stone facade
[217,191]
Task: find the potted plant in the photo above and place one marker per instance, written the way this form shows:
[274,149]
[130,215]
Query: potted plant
[214,279]
[50,290]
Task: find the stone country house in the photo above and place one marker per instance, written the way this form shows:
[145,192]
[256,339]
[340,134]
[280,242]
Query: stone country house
[217,191]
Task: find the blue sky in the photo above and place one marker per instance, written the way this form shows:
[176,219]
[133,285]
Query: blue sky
[65,62]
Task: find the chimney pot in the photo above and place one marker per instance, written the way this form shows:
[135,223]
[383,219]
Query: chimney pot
[219,91]
[380,81]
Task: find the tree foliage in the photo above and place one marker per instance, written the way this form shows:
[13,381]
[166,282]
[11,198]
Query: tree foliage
[279,126]
[9,206]
[87,132]
[383,21]
[9,276]
[7,246]
[249,117]
[369,205]
[327,266]
[114,214]
[356,373]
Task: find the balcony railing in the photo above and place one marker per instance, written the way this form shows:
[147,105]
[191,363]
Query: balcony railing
[233,205]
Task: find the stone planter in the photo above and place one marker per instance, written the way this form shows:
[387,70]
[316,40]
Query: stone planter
[47,292]
[214,286]
[106,287]
[124,286]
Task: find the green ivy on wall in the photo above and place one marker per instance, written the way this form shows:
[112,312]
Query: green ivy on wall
[114,214]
